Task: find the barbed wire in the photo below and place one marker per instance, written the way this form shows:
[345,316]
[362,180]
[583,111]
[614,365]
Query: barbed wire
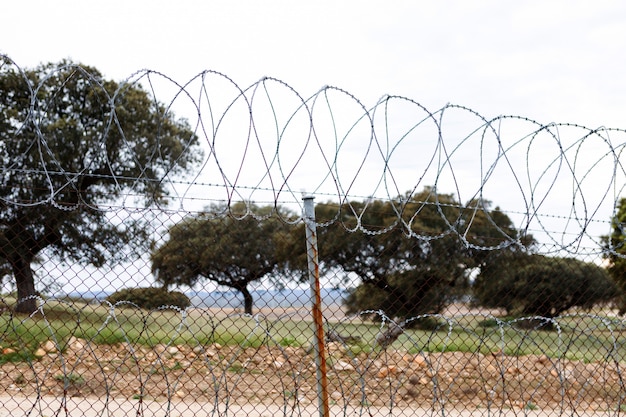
[267,142]
[208,145]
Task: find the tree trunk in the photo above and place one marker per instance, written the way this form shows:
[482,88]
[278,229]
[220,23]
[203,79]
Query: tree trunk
[25,283]
[247,300]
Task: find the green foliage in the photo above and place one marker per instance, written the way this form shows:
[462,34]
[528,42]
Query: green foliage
[412,254]
[536,285]
[409,294]
[71,379]
[492,322]
[84,141]
[493,287]
[615,252]
[289,341]
[150,298]
[16,357]
[231,250]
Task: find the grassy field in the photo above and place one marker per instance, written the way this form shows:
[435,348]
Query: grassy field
[577,337]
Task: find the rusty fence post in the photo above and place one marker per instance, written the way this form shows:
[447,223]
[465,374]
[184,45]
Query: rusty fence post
[316,301]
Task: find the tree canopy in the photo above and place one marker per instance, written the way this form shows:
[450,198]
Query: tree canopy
[615,252]
[537,285]
[72,141]
[410,256]
[232,250]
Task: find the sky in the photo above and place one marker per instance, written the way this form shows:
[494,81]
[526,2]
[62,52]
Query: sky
[550,61]
[553,61]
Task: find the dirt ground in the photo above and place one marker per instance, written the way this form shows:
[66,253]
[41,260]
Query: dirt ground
[286,376]
[116,377]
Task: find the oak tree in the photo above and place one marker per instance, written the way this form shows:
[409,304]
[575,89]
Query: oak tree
[407,256]
[539,285]
[71,143]
[614,247]
[233,248]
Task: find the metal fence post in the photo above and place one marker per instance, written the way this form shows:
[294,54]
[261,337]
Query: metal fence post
[316,301]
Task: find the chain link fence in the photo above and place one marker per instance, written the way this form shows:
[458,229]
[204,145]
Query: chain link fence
[203,248]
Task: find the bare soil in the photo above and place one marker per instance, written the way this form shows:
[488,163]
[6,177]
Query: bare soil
[287,375]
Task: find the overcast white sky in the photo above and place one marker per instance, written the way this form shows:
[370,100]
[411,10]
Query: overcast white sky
[561,61]
[552,61]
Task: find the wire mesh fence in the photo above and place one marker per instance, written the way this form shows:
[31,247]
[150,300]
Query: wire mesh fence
[158,257]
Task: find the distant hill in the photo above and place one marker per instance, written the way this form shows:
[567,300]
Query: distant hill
[265,298]
[233,299]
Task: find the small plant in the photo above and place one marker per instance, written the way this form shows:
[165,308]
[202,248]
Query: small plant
[289,341]
[14,356]
[531,406]
[71,379]
[492,322]
[176,367]
[359,348]
[236,368]
[20,379]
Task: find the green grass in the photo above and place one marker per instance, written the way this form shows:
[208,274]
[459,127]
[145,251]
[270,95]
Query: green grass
[16,357]
[579,337]
[290,341]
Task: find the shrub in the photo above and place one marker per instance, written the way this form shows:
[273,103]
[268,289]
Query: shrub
[150,297]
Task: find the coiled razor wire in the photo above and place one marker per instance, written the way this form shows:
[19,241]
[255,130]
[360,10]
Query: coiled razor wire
[267,143]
